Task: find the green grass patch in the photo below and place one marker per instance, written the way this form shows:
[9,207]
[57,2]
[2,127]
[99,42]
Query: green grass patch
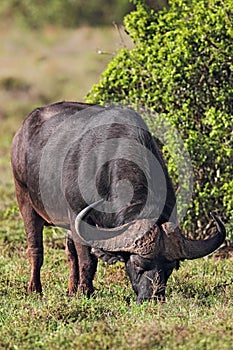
[197,313]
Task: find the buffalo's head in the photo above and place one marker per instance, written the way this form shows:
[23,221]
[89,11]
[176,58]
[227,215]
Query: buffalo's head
[149,276]
[150,252]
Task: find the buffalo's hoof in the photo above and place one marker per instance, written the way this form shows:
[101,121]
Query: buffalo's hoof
[85,290]
[34,287]
[72,290]
[72,286]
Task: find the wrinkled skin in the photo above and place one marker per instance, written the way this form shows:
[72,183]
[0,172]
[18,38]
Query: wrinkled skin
[149,277]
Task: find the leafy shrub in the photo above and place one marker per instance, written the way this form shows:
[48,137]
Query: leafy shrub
[181,67]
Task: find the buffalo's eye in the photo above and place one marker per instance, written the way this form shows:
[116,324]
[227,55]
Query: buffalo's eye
[139,269]
[138,266]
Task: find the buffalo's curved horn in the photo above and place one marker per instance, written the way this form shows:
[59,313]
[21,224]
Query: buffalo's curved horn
[177,246]
[133,237]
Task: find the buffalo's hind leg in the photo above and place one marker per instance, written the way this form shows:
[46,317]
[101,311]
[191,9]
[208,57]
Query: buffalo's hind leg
[72,260]
[33,224]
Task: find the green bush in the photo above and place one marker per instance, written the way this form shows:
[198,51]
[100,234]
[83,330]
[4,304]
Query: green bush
[181,67]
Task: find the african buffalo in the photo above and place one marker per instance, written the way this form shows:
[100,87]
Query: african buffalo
[97,172]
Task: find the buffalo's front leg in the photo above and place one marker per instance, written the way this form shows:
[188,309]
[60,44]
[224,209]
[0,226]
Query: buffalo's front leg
[87,267]
[33,224]
[72,260]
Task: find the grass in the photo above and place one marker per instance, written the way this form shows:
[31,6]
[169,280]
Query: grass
[198,313]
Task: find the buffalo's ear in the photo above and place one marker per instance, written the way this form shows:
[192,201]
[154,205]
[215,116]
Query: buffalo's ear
[109,258]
